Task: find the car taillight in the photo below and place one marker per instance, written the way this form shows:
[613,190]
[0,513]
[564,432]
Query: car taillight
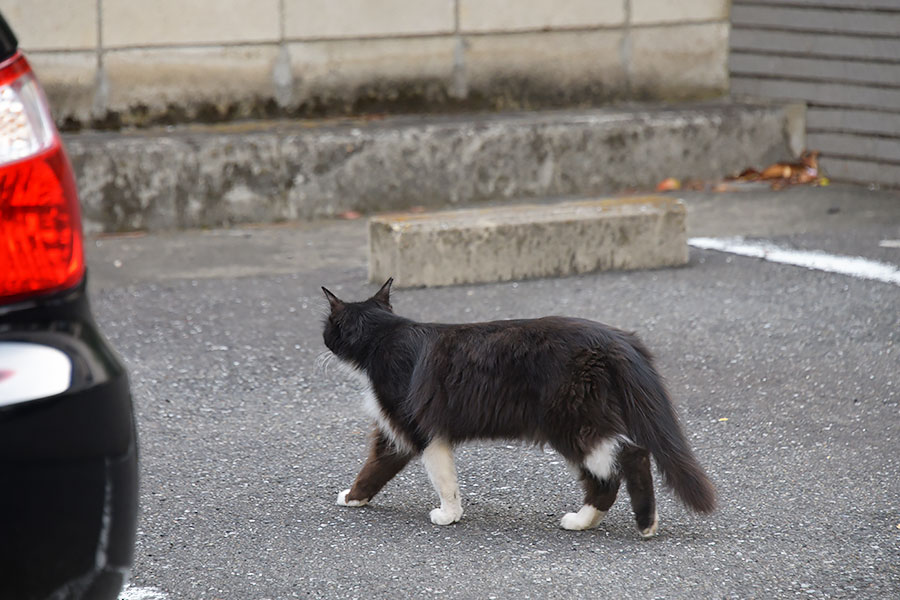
[40,222]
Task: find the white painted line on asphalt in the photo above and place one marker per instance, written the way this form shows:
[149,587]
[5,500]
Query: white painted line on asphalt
[142,593]
[853,266]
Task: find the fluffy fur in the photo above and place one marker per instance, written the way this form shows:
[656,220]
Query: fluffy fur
[588,390]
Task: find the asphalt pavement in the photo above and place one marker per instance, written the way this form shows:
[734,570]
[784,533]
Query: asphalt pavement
[787,380]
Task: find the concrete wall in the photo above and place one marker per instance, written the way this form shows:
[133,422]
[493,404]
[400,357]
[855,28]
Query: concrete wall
[138,62]
[841,57]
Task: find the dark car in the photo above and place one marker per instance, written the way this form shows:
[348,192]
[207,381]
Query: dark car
[68,449]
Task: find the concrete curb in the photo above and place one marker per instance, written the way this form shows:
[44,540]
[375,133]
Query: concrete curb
[524,241]
[270,172]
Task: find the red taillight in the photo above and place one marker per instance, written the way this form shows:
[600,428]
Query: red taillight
[40,223]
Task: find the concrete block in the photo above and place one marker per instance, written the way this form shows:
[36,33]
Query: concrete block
[129,23]
[500,15]
[51,24]
[676,62]
[69,80]
[557,68]
[341,71]
[304,19]
[174,84]
[645,12]
[525,241]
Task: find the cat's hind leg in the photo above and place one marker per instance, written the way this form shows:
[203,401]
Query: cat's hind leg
[599,496]
[601,479]
[385,460]
[635,463]
[438,460]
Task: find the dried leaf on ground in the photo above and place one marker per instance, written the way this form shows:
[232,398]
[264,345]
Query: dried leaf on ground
[668,184]
[782,174]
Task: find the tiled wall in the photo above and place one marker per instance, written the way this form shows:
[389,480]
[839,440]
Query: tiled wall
[139,62]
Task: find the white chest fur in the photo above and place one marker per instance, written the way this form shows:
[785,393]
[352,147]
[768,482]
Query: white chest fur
[373,408]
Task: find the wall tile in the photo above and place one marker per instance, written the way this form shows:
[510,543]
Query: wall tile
[340,68]
[645,12]
[52,24]
[502,15]
[147,83]
[366,18]
[680,61]
[129,23]
[69,80]
[557,67]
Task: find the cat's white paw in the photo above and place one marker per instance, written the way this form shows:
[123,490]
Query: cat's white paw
[445,516]
[342,500]
[649,532]
[586,518]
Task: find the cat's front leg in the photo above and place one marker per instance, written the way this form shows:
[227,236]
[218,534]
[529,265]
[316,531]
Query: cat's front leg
[385,460]
[438,459]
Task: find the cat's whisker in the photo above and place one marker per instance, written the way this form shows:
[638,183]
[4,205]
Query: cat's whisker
[327,359]
[322,362]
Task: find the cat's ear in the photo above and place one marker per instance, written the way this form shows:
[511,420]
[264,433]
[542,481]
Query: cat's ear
[333,300]
[384,294]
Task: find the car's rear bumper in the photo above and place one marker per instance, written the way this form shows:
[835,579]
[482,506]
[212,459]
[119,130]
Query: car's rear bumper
[68,464]
[70,527]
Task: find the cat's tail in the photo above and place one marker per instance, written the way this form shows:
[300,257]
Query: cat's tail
[653,424]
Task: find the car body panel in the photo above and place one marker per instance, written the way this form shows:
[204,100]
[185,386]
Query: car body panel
[68,463]
[68,441]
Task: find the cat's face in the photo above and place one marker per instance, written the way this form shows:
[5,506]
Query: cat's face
[346,325]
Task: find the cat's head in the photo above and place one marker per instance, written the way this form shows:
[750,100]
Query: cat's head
[348,324]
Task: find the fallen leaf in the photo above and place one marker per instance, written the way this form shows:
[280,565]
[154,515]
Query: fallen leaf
[668,184]
[776,171]
[810,159]
[746,175]
[780,175]
[349,215]
[804,177]
[723,419]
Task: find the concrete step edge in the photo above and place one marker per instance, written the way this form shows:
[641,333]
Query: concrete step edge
[198,177]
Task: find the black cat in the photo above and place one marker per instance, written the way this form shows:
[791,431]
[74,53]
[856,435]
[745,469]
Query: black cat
[588,390]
